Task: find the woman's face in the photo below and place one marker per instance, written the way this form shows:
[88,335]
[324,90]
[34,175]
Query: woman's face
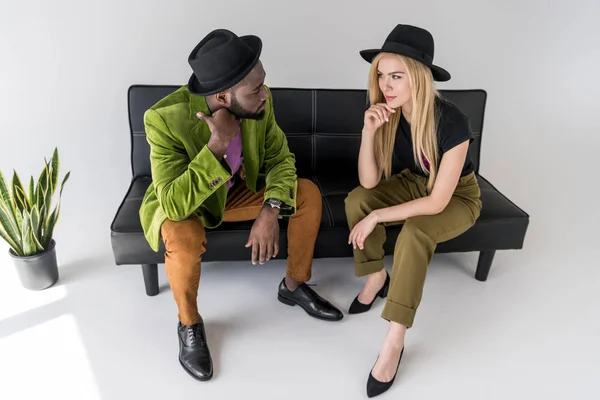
[393,81]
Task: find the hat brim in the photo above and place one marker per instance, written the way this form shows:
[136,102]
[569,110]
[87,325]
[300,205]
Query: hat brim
[439,73]
[195,87]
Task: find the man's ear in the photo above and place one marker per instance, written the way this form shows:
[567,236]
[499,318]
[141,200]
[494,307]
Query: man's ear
[223,98]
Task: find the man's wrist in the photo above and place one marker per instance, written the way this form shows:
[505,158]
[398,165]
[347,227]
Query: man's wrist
[274,204]
[218,148]
[271,210]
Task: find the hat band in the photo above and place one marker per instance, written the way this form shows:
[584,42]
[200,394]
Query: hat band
[240,67]
[409,51]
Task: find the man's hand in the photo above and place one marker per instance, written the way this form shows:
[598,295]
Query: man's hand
[223,127]
[264,236]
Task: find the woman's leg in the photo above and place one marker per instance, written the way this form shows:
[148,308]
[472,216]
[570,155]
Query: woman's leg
[415,246]
[360,203]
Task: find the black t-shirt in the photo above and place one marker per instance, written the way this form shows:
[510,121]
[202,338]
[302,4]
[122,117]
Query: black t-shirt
[453,129]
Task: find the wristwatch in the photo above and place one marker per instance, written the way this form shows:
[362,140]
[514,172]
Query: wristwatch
[274,203]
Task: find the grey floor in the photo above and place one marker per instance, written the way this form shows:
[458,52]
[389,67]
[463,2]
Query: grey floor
[531,331]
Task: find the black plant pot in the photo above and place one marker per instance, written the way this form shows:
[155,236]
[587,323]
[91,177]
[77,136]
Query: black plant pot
[39,271]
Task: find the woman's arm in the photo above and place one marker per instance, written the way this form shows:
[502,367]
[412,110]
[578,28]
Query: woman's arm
[369,173]
[443,188]
[368,170]
[449,173]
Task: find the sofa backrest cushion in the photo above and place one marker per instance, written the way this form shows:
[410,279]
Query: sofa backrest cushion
[323,126]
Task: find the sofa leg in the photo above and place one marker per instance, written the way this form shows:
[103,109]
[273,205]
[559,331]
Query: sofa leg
[484,264]
[150,278]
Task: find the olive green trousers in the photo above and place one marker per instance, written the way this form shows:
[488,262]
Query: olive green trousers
[418,237]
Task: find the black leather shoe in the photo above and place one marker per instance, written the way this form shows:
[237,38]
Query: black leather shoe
[374,387]
[357,307]
[310,301]
[194,355]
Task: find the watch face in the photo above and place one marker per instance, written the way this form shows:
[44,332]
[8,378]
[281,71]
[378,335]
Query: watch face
[275,202]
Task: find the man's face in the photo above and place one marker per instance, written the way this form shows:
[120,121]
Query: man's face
[248,99]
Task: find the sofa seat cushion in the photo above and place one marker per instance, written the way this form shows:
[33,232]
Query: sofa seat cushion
[501,225]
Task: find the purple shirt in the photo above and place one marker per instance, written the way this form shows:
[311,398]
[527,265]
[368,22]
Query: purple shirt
[425,161]
[233,156]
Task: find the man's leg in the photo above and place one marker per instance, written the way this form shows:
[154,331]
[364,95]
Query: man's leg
[244,205]
[302,235]
[185,243]
[303,230]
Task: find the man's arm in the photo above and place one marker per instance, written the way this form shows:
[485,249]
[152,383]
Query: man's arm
[181,184]
[280,165]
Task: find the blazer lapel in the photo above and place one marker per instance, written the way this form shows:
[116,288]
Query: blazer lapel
[250,151]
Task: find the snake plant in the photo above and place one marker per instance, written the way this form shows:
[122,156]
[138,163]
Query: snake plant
[27,219]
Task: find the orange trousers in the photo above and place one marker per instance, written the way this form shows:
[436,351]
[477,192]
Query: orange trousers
[185,242]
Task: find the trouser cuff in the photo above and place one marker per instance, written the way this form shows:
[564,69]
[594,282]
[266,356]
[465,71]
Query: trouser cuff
[303,277]
[367,268]
[398,313]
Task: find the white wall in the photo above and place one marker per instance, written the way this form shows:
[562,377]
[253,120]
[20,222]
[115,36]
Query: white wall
[66,66]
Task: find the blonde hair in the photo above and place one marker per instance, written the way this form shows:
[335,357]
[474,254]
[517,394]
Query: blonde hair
[423,121]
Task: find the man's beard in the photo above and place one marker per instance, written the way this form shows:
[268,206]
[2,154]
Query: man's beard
[237,110]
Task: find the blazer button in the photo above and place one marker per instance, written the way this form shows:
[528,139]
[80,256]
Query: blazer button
[219,179]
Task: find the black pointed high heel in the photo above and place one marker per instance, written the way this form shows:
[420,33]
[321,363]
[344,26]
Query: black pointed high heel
[374,387]
[357,307]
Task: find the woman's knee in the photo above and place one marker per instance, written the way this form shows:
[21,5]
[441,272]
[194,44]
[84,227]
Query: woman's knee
[357,202]
[415,234]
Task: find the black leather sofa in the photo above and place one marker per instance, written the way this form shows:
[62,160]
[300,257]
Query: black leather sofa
[323,128]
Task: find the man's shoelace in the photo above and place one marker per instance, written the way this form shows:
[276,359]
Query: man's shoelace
[195,335]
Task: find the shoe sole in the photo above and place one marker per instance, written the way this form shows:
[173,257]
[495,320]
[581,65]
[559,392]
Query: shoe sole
[292,303]
[208,378]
